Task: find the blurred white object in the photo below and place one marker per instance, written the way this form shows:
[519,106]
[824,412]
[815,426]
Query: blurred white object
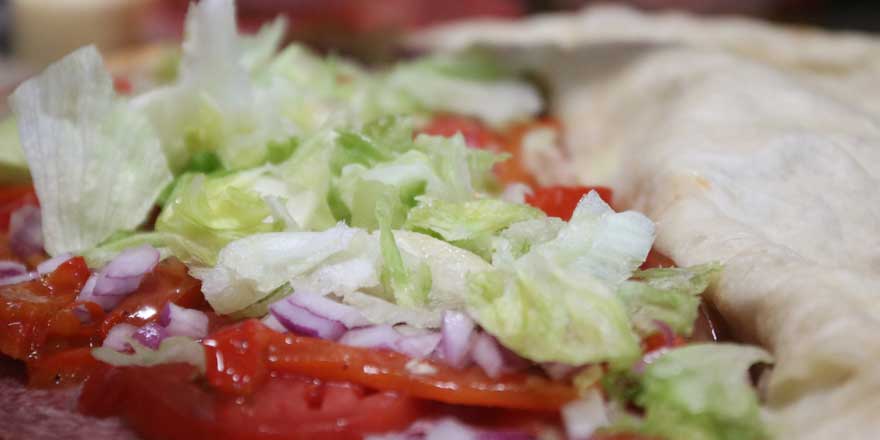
[45,30]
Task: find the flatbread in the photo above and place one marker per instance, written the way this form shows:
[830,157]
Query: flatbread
[751,145]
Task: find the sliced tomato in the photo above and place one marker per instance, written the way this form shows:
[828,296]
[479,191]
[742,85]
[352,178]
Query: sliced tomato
[122,85]
[560,201]
[475,134]
[35,312]
[65,368]
[12,198]
[656,259]
[240,357]
[169,282]
[169,402]
[658,340]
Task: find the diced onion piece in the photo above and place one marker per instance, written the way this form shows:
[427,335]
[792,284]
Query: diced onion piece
[150,335]
[124,273]
[301,321]
[26,231]
[118,336]
[377,336]
[458,330]
[9,269]
[325,307]
[488,355]
[418,346]
[87,294]
[51,264]
[583,417]
[272,322]
[180,321]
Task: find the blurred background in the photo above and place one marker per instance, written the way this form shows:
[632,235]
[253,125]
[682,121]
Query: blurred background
[36,32]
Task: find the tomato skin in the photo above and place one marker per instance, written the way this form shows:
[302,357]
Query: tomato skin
[476,135]
[560,201]
[12,198]
[252,351]
[170,402]
[65,368]
[38,315]
[169,281]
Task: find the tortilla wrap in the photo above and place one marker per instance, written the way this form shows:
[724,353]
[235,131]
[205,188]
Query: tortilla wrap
[748,144]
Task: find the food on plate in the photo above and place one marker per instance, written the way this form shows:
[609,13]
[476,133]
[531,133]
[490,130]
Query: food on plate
[752,146]
[272,244]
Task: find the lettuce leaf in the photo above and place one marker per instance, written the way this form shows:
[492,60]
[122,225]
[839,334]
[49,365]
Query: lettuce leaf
[410,288]
[470,225]
[97,163]
[669,295]
[556,302]
[702,392]
[251,268]
[208,212]
[214,104]
[176,349]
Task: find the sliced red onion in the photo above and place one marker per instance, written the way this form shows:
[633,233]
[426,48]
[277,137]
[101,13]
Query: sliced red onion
[376,336]
[301,321]
[584,416]
[180,321]
[82,314]
[87,294]
[486,352]
[26,231]
[124,273]
[11,269]
[325,307]
[15,279]
[458,330]
[151,335]
[118,336]
[272,322]
[418,346]
[51,264]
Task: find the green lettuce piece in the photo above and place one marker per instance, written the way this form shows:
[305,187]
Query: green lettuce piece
[702,392]
[465,86]
[251,268]
[308,177]
[13,165]
[214,104]
[556,303]
[208,212]
[97,163]
[518,239]
[106,251]
[669,295]
[410,288]
[176,349]
[470,225]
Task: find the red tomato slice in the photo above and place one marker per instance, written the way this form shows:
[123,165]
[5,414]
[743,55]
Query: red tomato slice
[69,367]
[475,134]
[169,281]
[560,201]
[240,357]
[32,313]
[169,402]
[12,198]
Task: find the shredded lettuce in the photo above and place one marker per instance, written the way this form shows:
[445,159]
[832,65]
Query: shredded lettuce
[208,212]
[96,162]
[251,268]
[470,225]
[410,288]
[701,392]
[556,302]
[669,295]
[175,349]
[214,104]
